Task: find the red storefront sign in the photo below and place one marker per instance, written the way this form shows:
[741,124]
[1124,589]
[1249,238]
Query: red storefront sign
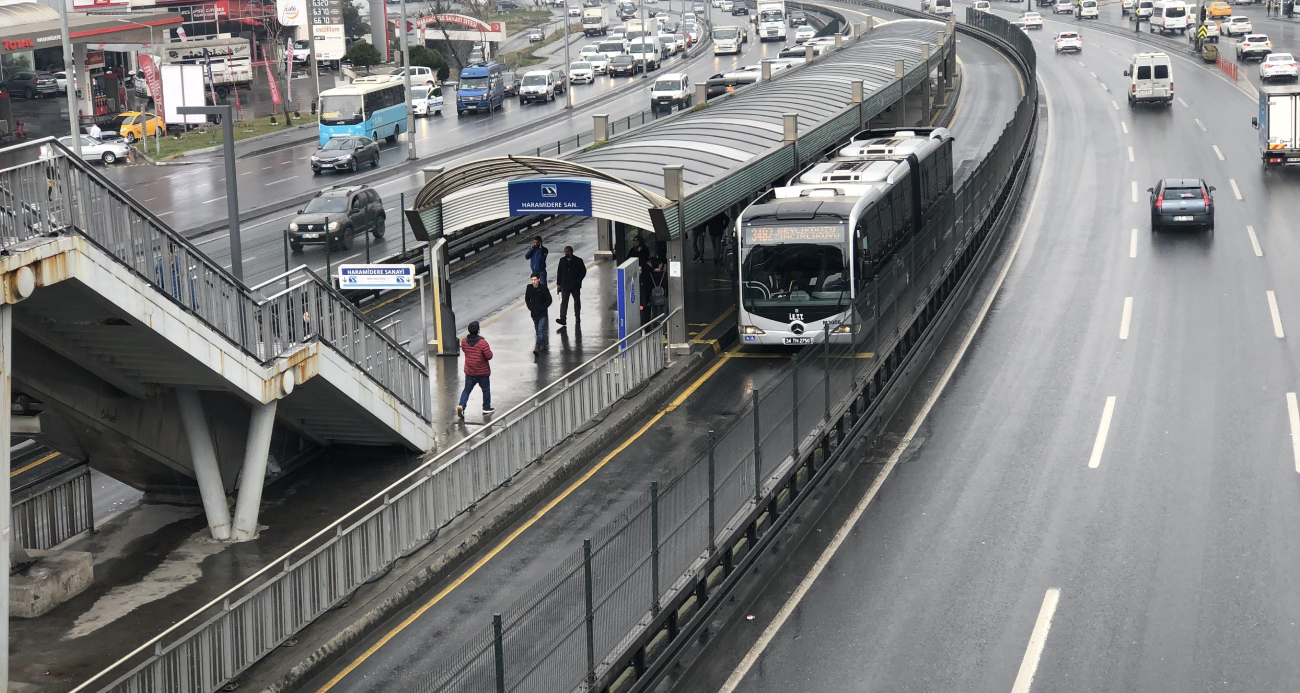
[17,45]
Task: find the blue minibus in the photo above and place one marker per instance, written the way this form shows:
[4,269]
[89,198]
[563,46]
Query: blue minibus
[371,107]
[481,87]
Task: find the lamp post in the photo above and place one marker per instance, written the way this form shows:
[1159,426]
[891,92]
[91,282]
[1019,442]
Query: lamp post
[227,113]
[70,84]
[568,86]
[406,80]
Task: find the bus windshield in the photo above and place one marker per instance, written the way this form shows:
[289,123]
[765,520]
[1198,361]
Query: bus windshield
[341,110]
[771,16]
[791,274]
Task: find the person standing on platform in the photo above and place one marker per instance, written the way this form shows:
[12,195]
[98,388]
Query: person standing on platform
[717,231]
[477,371]
[640,251]
[536,257]
[569,273]
[537,298]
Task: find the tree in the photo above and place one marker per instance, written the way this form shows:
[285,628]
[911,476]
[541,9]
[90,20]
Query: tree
[427,57]
[353,25]
[364,54]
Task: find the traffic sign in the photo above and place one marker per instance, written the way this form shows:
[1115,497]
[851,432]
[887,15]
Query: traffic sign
[376,276]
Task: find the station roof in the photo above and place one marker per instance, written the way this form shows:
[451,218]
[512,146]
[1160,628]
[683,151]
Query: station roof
[26,26]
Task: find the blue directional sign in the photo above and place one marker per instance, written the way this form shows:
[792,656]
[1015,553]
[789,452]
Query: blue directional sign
[376,276]
[550,196]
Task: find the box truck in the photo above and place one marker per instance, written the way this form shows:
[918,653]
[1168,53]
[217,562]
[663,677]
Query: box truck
[1278,123]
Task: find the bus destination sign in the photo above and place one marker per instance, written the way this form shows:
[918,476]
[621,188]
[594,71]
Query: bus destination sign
[771,235]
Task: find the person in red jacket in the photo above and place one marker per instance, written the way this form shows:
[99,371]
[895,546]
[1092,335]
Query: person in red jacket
[477,371]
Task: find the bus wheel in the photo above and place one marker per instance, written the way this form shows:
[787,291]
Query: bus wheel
[393,137]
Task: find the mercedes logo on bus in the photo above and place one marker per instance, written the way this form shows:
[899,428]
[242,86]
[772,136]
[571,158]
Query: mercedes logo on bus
[796,328]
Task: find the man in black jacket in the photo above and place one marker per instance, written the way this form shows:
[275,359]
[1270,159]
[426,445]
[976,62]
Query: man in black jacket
[538,299]
[569,273]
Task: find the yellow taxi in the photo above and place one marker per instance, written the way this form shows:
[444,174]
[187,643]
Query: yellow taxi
[133,125]
[1218,9]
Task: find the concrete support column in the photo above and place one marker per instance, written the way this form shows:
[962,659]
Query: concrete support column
[85,104]
[925,89]
[674,189]
[600,127]
[941,98]
[790,136]
[253,474]
[808,54]
[7,544]
[856,99]
[604,239]
[379,27]
[204,457]
[767,69]
[900,108]
[839,41]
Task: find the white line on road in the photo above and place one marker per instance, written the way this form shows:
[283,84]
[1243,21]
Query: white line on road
[1103,86]
[751,657]
[1277,317]
[214,199]
[1293,410]
[1126,318]
[1235,190]
[1254,242]
[1217,152]
[282,181]
[163,214]
[1094,74]
[1135,191]
[274,219]
[1037,639]
[149,200]
[1201,125]
[209,240]
[1114,104]
[1082,65]
[1103,430]
[1130,154]
[1124,125]
[267,168]
[1184,103]
[1133,244]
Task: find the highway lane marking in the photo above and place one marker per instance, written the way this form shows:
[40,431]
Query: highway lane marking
[1184,103]
[1130,154]
[1277,317]
[1293,412]
[33,465]
[1124,125]
[214,199]
[1254,242]
[1114,104]
[1135,191]
[263,223]
[1127,318]
[1103,431]
[541,512]
[751,657]
[209,240]
[1235,190]
[1094,74]
[1133,244]
[1201,125]
[163,214]
[284,180]
[1217,152]
[1037,639]
[1104,87]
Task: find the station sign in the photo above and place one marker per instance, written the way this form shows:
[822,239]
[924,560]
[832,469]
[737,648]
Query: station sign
[550,196]
[381,277]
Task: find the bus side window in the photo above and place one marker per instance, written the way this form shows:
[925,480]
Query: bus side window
[373,102]
[886,224]
[901,209]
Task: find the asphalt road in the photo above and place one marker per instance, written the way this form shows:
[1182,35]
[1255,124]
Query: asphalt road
[1015,547]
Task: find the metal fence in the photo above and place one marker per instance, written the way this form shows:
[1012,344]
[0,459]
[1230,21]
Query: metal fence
[215,644]
[57,193]
[52,511]
[572,629]
[583,139]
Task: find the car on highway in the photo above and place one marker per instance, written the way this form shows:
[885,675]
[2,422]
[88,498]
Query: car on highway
[133,125]
[537,85]
[1033,20]
[1211,32]
[1182,202]
[740,9]
[1020,24]
[671,90]
[1218,9]
[941,7]
[982,6]
[599,63]
[426,100]
[798,18]
[575,11]
[509,83]
[727,6]
[692,32]
[345,153]
[1279,66]
[623,65]
[535,35]
[612,48]
[1237,26]
[1063,7]
[804,33]
[581,73]
[646,51]
[1069,41]
[1127,6]
[31,85]
[93,149]
[336,216]
[1086,9]
[1254,46]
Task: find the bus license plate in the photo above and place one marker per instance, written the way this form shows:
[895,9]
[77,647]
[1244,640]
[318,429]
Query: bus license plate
[1182,218]
[798,340]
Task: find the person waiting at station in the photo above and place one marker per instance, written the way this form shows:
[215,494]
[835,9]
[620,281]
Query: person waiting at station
[640,251]
[537,298]
[477,371]
[569,273]
[654,290]
[536,257]
[718,232]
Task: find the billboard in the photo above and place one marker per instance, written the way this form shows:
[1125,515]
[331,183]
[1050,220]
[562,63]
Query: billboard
[327,27]
[182,85]
[291,12]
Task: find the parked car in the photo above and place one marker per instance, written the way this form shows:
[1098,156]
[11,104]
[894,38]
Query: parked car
[1182,202]
[30,85]
[348,210]
[94,149]
[345,153]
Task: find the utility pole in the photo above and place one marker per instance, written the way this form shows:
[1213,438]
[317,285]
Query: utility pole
[406,72]
[568,86]
[311,56]
[227,114]
[70,84]
[645,62]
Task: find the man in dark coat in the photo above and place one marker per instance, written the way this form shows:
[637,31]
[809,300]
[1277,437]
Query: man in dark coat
[537,298]
[569,273]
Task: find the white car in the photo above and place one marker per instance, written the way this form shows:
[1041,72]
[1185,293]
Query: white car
[1069,41]
[588,51]
[727,6]
[92,149]
[1020,24]
[1211,31]
[419,75]
[670,44]
[575,12]
[1126,6]
[1032,20]
[581,73]
[982,6]
[426,100]
[1063,7]
[1237,25]
[1254,46]
[1279,66]
[804,33]
[599,63]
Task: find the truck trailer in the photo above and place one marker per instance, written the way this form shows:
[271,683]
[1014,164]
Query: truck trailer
[1278,123]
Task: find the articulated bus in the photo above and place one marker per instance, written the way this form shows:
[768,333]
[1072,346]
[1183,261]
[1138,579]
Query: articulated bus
[808,249]
[371,107]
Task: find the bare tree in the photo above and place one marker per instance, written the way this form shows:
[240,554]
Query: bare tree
[276,34]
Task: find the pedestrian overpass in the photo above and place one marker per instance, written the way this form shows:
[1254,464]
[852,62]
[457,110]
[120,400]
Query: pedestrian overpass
[164,370]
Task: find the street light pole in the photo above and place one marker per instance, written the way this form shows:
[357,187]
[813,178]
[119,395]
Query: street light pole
[227,113]
[568,86]
[406,72]
[645,61]
[70,83]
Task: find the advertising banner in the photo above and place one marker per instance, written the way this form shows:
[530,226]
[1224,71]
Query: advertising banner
[291,12]
[275,88]
[153,79]
[550,196]
[376,277]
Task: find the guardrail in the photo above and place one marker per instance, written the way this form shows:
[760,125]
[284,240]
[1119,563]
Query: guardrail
[664,565]
[212,646]
[54,510]
[59,194]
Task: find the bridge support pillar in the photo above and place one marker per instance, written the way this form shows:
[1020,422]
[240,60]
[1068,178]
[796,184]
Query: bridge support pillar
[252,475]
[941,98]
[206,469]
[926,100]
[900,116]
[674,189]
[604,239]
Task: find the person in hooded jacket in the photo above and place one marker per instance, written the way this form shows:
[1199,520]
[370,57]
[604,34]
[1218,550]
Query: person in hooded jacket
[477,371]
[537,298]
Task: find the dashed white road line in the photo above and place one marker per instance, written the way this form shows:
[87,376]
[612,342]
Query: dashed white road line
[1217,152]
[1235,190]
[1127,318]
[1130,154]
[1254,242]
[1124,125]
[1133,244]
[1115,105]
[214,199]
[282,180]
[1104,87]
[1094,74]
[1277,317]
[1293,412]
[1184,103]
[1103,430]
[1037,639]
[1135,191]
[1201,125]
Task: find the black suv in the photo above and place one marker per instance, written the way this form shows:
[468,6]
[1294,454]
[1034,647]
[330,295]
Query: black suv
[1182,202]
[348,209]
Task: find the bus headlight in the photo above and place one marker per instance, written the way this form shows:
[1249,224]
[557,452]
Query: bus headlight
[843,329]
[750,329]
[334,226]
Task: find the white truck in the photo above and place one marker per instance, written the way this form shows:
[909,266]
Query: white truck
[1278,123]
[594,22]
[727,39]
[771,20]
[228,60]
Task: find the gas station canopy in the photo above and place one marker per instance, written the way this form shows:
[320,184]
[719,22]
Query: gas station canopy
[26,26]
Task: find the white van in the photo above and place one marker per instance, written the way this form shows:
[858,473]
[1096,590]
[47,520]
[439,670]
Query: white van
[1150,79]
[1087,9]
[941,7]
[1145,8]
[1168,16]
